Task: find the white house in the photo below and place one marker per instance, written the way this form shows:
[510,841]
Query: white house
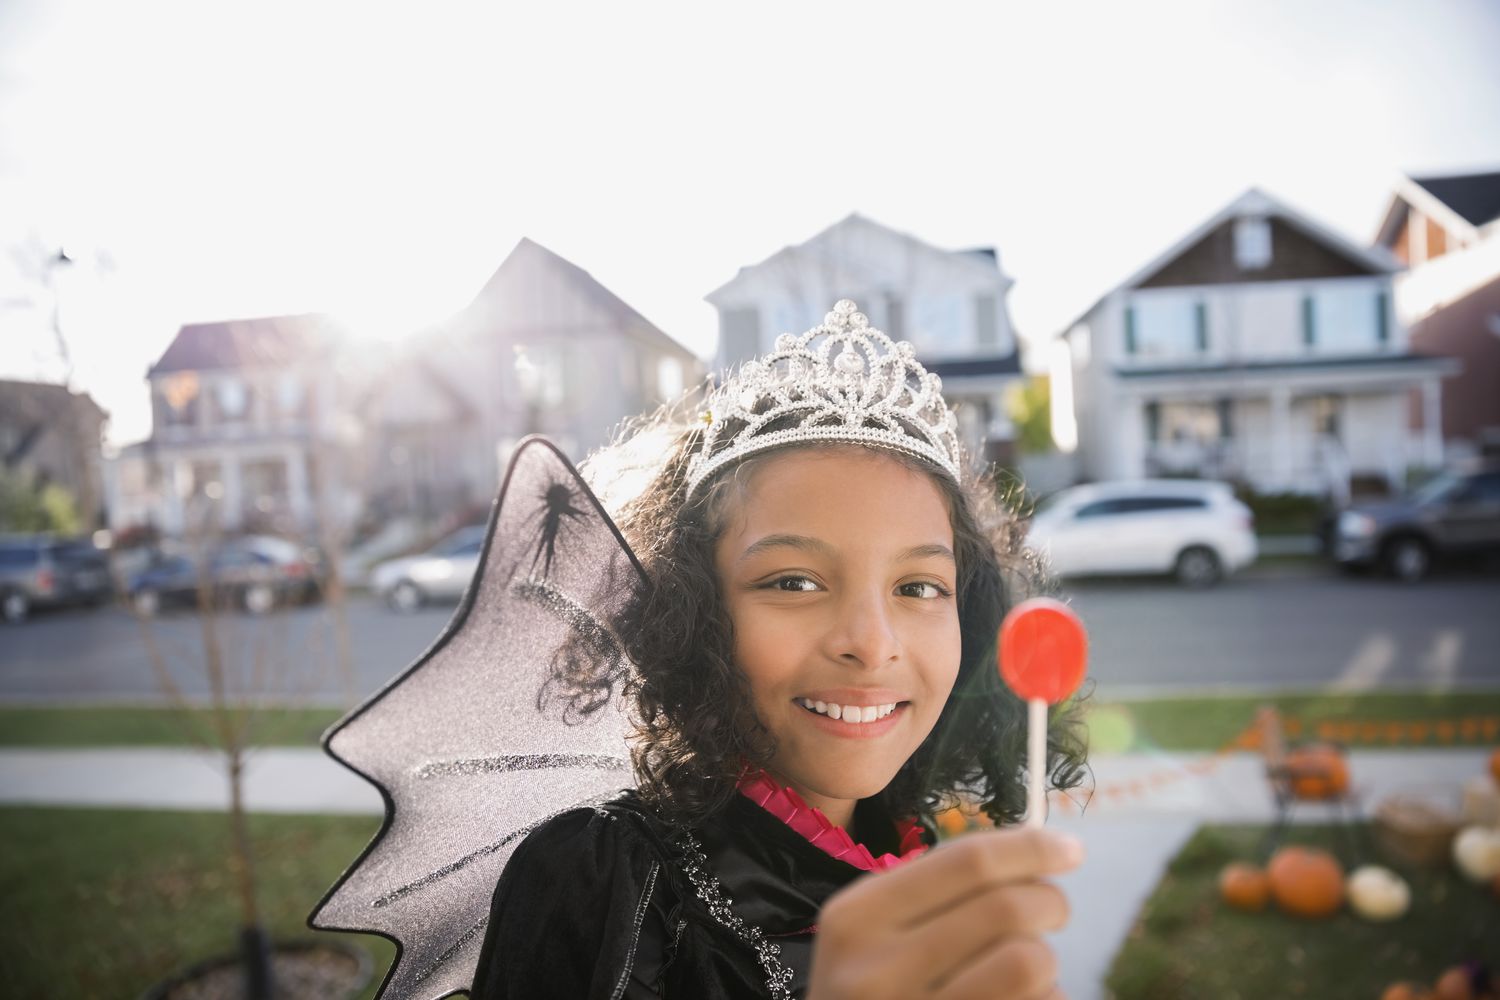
[1262,347]
[951,305]
[249,430]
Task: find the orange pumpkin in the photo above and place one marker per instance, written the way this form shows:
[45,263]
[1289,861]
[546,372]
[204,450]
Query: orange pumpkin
[1244,886]
[1306,882]
[1495,766]
[1455,984]
[1405,991]
[1317,772]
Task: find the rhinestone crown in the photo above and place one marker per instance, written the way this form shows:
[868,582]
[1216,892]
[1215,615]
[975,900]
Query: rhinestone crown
[873,392]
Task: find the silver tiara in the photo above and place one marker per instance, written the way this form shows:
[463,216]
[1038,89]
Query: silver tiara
[874,392]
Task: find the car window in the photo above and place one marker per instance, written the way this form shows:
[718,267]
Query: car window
[1099,508]
[1437,489]
[1484,488]
[472,549]
[14,557]
[1141,505]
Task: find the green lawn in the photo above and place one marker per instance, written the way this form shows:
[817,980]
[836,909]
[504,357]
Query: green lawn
[131,726]
[1186,945]
[1467,718]
[1188,724]
[104,903]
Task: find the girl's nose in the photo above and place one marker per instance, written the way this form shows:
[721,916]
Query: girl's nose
[865,634]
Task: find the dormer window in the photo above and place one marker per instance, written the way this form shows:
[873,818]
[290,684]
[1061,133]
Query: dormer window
[1252,243]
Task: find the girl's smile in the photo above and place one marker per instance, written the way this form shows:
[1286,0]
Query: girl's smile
[837,568]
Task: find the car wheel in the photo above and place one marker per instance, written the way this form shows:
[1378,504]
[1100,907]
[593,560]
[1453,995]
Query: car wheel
[146,602]
[1198,567]
[404,597]
[1408,559]
[14,607]
[259,598]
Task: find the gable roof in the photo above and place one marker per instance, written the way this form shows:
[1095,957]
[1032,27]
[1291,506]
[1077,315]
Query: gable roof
[1256,203]
[586,287]
[1460,202]
[261,342]
[982,259]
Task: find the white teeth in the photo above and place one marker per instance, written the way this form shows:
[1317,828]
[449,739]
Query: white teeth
[852,714]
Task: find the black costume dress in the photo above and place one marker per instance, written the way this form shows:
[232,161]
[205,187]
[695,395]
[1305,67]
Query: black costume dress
[613,903]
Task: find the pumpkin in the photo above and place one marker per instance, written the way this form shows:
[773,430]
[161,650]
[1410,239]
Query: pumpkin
[1377,893]
[1476,852]
[1317,772]
[1495,766]
[1306,882]
[1405,991]
[1454,984]
[1244,886]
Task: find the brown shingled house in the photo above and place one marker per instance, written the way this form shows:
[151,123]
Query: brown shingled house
[1447,229]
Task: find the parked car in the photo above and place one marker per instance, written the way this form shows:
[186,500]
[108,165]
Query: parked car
[1193,529]
[442,573]
[1457,513]
[44,571]
[256,572]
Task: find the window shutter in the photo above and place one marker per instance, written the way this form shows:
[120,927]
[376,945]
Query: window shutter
[1200,325]
[1382,319]
[1153,422]
[986,326]
[1130,330]
[1226,419]
[1309,327]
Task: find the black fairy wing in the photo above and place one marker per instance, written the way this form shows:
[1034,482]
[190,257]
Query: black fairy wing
[513,715]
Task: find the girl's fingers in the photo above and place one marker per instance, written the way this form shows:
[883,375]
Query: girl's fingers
[1020,968]
[954,938]
[917,892]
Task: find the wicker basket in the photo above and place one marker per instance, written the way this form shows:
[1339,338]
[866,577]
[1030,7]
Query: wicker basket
[1415,828]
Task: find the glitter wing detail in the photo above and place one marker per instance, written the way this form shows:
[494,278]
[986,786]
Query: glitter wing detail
[512,716]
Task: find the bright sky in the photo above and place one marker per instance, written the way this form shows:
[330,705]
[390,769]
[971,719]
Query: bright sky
[208,160]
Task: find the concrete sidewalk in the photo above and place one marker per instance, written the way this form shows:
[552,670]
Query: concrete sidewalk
[1147,806]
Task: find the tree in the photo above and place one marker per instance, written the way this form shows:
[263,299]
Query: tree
[29,505]
[1029,406]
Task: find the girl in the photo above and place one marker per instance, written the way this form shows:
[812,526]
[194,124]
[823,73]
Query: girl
[815,679]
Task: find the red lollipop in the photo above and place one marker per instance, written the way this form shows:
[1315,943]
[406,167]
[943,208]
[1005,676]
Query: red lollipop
[1044,651]
[1043,655]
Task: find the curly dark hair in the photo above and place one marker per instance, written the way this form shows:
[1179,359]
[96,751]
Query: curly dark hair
[696,728]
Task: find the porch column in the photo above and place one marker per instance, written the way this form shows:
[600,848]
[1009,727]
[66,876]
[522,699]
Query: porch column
[1432,422]
[233,504]
[1281,438]
[298,495]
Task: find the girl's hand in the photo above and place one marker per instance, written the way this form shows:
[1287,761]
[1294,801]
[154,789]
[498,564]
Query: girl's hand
[963,921]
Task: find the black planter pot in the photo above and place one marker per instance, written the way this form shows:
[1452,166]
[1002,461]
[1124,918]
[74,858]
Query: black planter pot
[218,965]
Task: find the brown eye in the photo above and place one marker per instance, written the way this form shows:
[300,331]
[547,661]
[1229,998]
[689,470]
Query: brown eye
[794,584]
[923,589]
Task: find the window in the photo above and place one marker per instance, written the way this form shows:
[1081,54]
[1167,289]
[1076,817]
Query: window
[1148,505]
[1165,326]
[668,379]
[1341,318]
[1099,508]
[1130,344]
[1326,416]
[986,321]
[1252,243]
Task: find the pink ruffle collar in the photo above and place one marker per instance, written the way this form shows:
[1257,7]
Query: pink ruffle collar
[787,806]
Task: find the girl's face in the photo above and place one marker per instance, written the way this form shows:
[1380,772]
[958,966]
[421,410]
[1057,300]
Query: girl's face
[837,569]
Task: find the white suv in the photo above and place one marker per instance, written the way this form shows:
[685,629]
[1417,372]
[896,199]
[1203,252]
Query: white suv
[1194,529]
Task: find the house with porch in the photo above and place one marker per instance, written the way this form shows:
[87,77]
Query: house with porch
[950,304]
[249,429]
[1446,229]
[1261,348]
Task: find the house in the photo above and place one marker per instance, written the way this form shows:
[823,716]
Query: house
[1262,347]
[54,436]
[249,428]
[543,348]
[1447,230]
[951,306]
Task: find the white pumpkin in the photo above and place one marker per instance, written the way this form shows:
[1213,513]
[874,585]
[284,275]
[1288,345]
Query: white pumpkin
[1377,893]
[1476,851]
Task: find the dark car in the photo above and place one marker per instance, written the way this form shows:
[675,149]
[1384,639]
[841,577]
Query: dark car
[255,573]
[1458,513]
[38,571]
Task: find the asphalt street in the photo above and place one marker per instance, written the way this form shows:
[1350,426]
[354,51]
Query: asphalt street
[1268,630]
